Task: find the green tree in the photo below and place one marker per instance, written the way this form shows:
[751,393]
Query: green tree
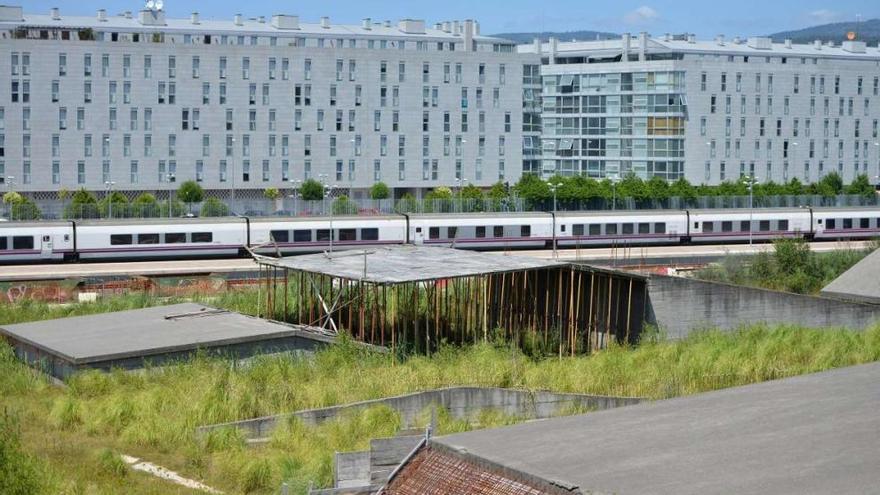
[793,187]
[658,188]
[380,190]
[861,186]
[683,189]
[532,188]
[12,197]
[83,204]
[632,186]
[190,192]
[311,190]
[272,193]
[499,195]
[145,206]
[830,185]
[439,200]
[21,207]
[344,206]
[119,201]
[406,204]
[213,207]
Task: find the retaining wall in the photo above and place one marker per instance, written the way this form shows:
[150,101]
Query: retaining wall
[679,306]
[461,402]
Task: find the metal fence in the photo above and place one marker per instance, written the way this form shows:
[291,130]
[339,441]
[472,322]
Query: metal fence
[47,209]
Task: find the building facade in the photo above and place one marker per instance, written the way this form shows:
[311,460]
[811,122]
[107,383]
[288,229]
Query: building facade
[709,111]
[140,102]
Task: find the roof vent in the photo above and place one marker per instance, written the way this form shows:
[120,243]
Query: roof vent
[720,39]
[194,18]
[737,40]
[282,21]
[854,46]
[456,27]
[127,14]
[366,23]
[760,43]
[261,19]
[476,28]
[56,14]
[667,37]
[447,27]
[237,20]
[788,44]
[831,44]
[438,26]
[102,15]
[817,44]
[692,38]
[412,26]
[325,22]
[387,23]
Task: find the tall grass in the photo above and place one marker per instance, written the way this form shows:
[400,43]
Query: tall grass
[154,414]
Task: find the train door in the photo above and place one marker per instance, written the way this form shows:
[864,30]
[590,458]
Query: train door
[46,247]
[419,237]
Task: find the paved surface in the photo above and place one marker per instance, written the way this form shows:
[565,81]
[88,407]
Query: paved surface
[859,283]
[142,332]
[606,256]
[811,434]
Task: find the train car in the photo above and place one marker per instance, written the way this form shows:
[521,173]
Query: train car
[482,230]
[575,229]
[765,224]
[160,238]
[312,234]
[28,242]
[846,223]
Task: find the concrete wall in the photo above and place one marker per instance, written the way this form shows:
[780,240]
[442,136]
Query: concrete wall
[679,306]
[461,402]
[352,469]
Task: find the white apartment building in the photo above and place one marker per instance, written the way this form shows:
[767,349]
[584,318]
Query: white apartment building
[144,101]
[709,111]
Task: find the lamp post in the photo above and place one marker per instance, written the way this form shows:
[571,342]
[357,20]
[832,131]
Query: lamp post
[109,185]
[296,183]
[613,179]
[350,169]
[232,195]
[750,182]
[322,178]
[170,178]
[10,181]
[553,186]
[459,181]
[328,191]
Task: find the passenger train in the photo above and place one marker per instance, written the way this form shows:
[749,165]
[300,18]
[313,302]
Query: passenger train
[177,238]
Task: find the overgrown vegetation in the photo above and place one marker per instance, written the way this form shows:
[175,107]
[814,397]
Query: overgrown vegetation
[791,266]
[153,415]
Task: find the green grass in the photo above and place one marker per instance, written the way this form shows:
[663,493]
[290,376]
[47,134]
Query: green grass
[790,267]
[153,414]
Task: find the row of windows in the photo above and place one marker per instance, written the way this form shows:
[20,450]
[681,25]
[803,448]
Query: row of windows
[856,167]
[323,235]
[795,83]
[743,226]
[166,238]
[594,229]
[479,232]
[40,33]
[18,242]
[845,106]
[851,223]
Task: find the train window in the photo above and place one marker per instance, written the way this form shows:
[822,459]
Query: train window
[302,236]
[831,223]
[696,225]
[783,225]
[120,239]
[371,234]
[322,235]
[611,228]
[175,238]
[708,227]
[562,227]
[148,239]
[4,243]
[202,237]
[595,229]
[498,231]
[23,242]
[347,234]
[451,232]
[526,230]
[744,226]
[628,228]
[66,237]
[644,228]
[280,235]
[764,225]
[577,229]
[433,232]
[727,226]
[659,228]
[847,223]
[481,232]
[865,223]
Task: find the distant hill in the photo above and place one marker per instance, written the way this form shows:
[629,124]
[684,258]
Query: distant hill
[868,31]
[523,38]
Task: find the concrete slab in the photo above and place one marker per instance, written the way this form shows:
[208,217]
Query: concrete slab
[859,283]
[816,433]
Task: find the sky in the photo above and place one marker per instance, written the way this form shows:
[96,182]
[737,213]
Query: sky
[706,18]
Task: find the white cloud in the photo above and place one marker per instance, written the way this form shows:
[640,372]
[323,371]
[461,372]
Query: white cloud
[641,16]
[824,16]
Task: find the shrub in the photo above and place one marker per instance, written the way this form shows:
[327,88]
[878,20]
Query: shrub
[344,206]
[190,192]
[112,464]
[311,190]
[380,190]
[19,472]
[213,207]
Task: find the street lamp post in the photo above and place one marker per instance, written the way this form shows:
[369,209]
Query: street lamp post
[170,178]
[232,192]
[613,180]
[553,187]
[10,181]
[350,169]
[459,181]
[296,183]
[750,182]
[109,185]
[328,191]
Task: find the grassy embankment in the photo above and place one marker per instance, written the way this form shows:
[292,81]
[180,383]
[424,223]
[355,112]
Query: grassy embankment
[68,435]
